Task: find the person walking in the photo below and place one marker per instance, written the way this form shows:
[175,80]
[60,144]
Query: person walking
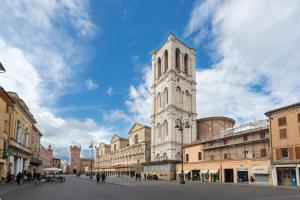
[98,177]
[145,176]
[19,177]
[103,176]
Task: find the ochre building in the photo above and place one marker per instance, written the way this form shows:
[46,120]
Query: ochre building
[285,142]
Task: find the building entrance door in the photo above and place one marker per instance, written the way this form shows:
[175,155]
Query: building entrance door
[228,173]
[242,175]
[286,176]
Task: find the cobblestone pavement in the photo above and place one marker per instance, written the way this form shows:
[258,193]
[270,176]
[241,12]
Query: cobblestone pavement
[128,189]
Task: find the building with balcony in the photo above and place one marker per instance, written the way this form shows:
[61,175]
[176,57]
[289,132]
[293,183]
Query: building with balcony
[125,156]
[285,142]
[20,143]
[225,153]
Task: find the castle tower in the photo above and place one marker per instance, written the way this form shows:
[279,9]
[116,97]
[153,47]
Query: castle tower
[173,97]
[74,157]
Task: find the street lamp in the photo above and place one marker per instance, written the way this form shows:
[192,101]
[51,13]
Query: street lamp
[180,125]
[92,146]
[97,157]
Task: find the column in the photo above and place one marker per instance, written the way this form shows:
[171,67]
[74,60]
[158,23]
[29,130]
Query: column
[274,176]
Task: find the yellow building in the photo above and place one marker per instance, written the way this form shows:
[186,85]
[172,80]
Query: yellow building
[124,157]
[285,141]
[6,104]
[20,142]
[231,154]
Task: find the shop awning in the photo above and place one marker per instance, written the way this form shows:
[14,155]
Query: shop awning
[186,171]
[213,171]
[204,171]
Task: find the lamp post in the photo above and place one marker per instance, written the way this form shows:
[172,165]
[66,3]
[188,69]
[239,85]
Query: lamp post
[97,157]
[92,146]
[180,125]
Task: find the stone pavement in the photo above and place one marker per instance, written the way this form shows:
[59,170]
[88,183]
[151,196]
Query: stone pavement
[127,189]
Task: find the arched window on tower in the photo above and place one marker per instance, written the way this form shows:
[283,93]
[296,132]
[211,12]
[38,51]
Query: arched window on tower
[178,97]
[166,57]
[186,63]
[187,100]
[158,68]
[166,98]
[158,102]
[177,59]
[166,127]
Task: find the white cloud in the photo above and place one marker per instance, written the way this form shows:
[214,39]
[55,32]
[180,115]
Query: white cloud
[109,91]
[115,115]
[41,58]
[91,85]
[256,45]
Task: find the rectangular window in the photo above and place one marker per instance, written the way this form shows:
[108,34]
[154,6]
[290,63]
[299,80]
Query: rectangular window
[282,133]
[245,138]
[211,157]
[225,142]
[225,156]
[263,152]
[246,154]
[262,135]
[211,144]
[284,154]
[282,121]
[299,117]
[297,152]
[187,157]
[199,155]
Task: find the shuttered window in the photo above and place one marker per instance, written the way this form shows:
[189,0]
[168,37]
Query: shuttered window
[299,117]
[278,154]
[225,156]
[187,157]
[284,154]
[245,137]
[199,156]
[262,135]
[263,152]
[282,121]
[297,152]
[282,133]
[291,153]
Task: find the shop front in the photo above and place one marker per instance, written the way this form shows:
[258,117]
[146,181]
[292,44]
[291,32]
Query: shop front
[228,174]
[195,175]
[261,175]
[214,175]
[204,175]
[286,176]
[242,175]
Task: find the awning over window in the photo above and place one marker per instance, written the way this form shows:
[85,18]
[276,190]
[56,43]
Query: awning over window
[214,171]
[184,171]
[204,171]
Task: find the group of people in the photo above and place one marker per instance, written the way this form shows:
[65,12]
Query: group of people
[26,177]
[101,176]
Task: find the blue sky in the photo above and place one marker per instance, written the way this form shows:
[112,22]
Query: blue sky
[83,66]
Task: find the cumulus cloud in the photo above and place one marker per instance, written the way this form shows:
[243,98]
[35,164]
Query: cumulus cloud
[41,59]
[91,85]
[115,115]
[256,47]
[255,51]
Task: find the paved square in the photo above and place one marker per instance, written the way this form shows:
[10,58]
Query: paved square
[129,189]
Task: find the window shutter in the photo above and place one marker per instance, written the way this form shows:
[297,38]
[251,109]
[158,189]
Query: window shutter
[278,155]
[297,152]
[291,153]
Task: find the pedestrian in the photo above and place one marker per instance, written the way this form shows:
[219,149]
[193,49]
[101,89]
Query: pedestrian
[19,177]
[98,177]
[252,180]
[136,176]
[103,177]
[140,176]
[145,176]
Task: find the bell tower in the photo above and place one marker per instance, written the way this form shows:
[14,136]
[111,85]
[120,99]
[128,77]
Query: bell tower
[74,157]
[173,97]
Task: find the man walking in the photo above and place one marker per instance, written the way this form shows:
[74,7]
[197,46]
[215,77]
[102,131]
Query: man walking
[98,177]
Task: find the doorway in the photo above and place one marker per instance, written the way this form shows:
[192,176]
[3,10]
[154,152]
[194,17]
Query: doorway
[228,173]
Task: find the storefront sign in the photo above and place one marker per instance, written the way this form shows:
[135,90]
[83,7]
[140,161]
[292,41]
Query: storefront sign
[260,170]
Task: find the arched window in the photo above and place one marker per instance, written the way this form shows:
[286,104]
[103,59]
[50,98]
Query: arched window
[159,130]
[136,139]
[166,96]
[18,131]
[165,156]
[166,57]
[166,127]
[158,102]
[158,67]
[187,100]
[178,97]
[26,139]
[157,156]
[186,63]
[177,59]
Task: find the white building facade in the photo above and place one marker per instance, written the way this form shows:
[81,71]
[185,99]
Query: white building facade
[173,97]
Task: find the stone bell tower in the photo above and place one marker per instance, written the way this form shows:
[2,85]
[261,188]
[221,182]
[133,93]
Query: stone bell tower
[173,97]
